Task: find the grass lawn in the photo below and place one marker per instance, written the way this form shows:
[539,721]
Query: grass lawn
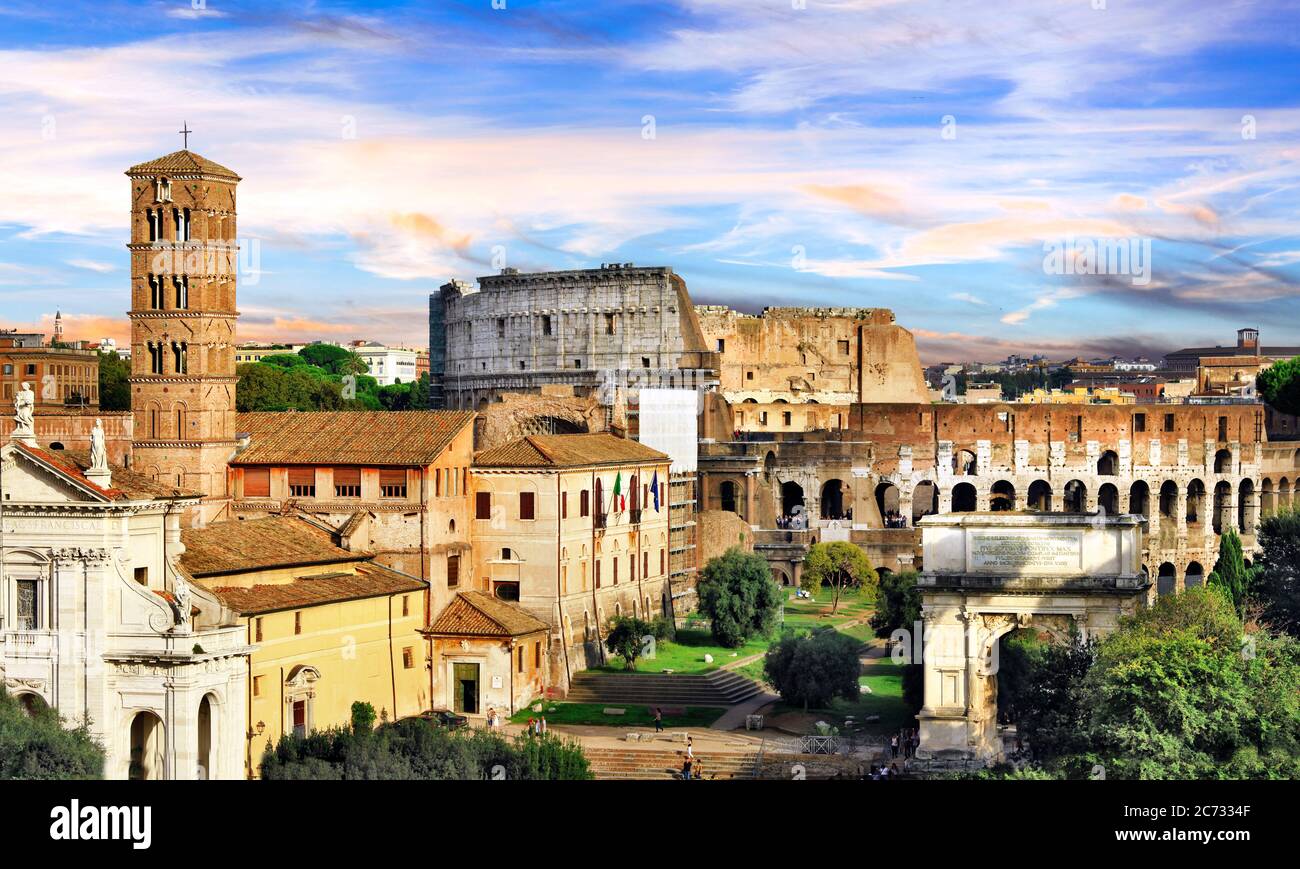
[886,700]
[634,716]
[803,614]
[686,654]
[752,670]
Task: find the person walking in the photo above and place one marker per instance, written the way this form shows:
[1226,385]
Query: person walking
[659,720]
[893,746]
[686,768]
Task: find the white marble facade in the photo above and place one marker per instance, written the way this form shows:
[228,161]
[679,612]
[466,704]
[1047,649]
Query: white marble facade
[97,621]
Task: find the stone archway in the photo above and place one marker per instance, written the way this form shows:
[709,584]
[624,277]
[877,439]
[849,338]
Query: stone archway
[148,741]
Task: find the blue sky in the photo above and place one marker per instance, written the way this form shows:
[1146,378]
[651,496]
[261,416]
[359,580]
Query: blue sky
[916,155]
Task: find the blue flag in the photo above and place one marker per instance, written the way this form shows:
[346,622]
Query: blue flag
[654,487]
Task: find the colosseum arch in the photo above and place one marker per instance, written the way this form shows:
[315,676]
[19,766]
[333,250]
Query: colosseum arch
[964,498]
[1040,496]
[1108,464]
[925,499]
[1002,497]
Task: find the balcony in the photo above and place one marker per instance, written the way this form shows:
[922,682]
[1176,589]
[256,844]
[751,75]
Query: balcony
[599,519]
[634,515]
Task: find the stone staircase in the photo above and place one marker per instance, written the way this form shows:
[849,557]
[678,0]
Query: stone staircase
[664,763]
[718,688]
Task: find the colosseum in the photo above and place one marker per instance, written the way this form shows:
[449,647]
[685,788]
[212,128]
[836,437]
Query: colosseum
[852,461]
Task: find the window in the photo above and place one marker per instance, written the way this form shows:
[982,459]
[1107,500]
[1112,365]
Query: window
[297,622]
[645,361]
[257,482]
[257,686]
[1169,422]
[844,347]
[615,560]
[501,327]
[28,605]
[182,285]
[577,363]
[453,571]
[142,576]
[406,605]
[785,417]
[302,482]
[347,482]
[584,503]
[1223,428]
[392,483]
[526,505]
[520,656]
[645,564]
[537,655]
[610,324]
[661,561]
[598,563]
[408,658]
[180,352]
[155,293]
[155,358]
[564,505]
[749,375]
[482,505]
[257,630]
[1139,423]
[546,325]
[631,566]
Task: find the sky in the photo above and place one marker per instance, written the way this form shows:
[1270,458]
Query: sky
[956,162]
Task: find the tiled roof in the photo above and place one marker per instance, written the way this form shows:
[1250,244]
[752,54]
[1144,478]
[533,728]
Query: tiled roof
[349,437]
[369,580]
[183,163]
[136,487]
[479,614]
[567,450]
[242,546]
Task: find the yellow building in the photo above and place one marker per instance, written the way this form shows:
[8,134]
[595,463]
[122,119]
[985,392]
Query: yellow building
[328,626]
[1079,395]
[574,528]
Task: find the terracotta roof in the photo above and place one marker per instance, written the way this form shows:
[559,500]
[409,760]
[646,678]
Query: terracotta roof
[349,437]
[136,487]
[369,580]
[567,450]
[479,614]
[243,546]
[183,163]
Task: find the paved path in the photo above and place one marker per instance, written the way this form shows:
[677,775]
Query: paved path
[734,717]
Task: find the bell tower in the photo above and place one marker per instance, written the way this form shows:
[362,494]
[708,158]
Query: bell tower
[183,263]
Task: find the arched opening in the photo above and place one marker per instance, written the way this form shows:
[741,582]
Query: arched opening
[1040,496]
[925,500]
[207,738]
[1075,497]
[963,498]
[781,576]
[832,500]
[728,496]
[56,445]
[1002,497]
[148,745]
[1223,462]
[1108,499]
[1195,575]
[964,463]
[791,497]
[663,604]
[1108,464]
[1168,499]
[887,500]
[769,465]
[1267,502]
[1017,651]
[1223,505]
[1195,502]
[1244,506]
[1167,580]
[1139,499]
[1283,494]
[32,704]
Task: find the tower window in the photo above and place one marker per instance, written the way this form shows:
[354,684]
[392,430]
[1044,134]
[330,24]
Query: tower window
[180,351]
[546,325]
[182,291]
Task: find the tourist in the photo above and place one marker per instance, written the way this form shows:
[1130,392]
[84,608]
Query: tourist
[893,745]
[541,726]
[893,771]
[686,768]
[659,720]
[690,747]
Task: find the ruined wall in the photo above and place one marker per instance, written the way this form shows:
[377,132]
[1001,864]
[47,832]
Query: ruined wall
[719,530]
[810,356]
[518,415]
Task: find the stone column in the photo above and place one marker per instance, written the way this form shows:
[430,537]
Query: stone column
[749,499]
[1180,511]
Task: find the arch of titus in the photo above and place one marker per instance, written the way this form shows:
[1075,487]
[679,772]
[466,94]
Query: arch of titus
[987,574]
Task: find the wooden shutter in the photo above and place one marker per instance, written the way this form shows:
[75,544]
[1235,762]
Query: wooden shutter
[453,571]
[526,505]
[347,476]
[257,482]
[392,477]
[482,505]
[302,476]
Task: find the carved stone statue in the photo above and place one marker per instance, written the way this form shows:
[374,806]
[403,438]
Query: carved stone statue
[98,451]
[181,590]
[24,406]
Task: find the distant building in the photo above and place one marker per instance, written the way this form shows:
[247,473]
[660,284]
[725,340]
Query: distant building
[61,377]
[388,365]
[1189,359]
[981,393]
[249,352]
[1079,395]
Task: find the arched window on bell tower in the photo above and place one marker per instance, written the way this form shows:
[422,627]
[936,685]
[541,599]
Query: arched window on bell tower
[182,283]
[180,351]
[155,292]
[155,358]
[164,191]
[155,224]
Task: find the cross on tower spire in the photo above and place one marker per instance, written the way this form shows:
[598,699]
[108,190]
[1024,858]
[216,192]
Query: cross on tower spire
[185,134]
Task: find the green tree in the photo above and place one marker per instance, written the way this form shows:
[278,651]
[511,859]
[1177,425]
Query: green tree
[1230,572]
[335,360]
[114,385]
[626,638]
[1277,583]
[1279,385]
[1051,707]
[738,596]
[813,671]
[36,745]
[363,717]
[898,603]
[839,565]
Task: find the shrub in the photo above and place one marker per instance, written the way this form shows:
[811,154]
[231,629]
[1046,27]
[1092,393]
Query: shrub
[812,671]
[626,638]
[737,594]
[39,746]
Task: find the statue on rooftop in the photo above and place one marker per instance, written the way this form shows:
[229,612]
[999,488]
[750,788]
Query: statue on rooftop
[24,405]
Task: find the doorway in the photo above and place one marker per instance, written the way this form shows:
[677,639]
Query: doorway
[464,678]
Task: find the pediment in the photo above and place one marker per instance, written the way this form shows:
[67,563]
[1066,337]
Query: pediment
[27,480]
